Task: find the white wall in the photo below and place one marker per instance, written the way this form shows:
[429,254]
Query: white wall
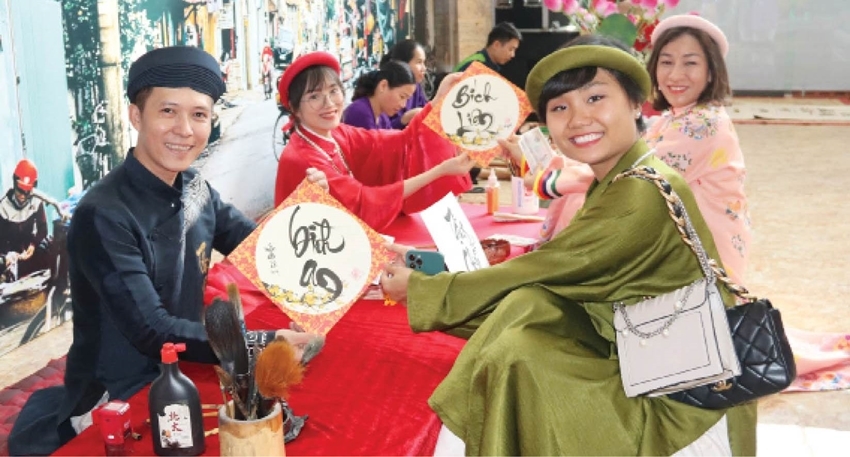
[782,45]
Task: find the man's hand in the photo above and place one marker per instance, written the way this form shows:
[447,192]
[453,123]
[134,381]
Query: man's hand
[318,177]
[306,345]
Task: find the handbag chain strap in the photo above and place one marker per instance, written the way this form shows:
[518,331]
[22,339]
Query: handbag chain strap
[680,305]
[680,216]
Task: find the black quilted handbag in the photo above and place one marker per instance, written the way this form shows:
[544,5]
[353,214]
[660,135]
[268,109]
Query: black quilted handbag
[767,363]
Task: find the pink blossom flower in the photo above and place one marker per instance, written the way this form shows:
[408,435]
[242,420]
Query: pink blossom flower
[604,8]
[670,3]
[570,6]
[554,5]
[646,4]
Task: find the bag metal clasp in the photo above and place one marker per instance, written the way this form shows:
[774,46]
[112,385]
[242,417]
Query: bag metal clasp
[721,386]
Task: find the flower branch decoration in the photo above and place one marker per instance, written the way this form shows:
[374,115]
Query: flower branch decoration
[630,21]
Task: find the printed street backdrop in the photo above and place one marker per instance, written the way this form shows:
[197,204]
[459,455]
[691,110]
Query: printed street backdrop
[63,72]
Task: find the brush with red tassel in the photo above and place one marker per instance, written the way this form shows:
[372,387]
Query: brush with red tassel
[277,369]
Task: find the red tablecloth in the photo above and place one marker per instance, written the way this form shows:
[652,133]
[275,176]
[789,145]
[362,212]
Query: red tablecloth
[366,393]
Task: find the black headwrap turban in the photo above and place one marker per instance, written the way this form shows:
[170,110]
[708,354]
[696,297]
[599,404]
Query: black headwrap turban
[176,66]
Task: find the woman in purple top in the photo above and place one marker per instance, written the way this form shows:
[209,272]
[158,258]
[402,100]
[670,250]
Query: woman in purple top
[414,54]
[380,94]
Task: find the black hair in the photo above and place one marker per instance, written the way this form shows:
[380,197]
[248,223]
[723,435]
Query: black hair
[395,72]
[142,97]
[503,32]
[402,51]
[569,80]
[309,80]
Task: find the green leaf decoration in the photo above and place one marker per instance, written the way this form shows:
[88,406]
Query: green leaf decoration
[620,27]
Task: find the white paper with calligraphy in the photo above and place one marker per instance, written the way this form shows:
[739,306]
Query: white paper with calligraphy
[453,235]
[312,258]
[481,108]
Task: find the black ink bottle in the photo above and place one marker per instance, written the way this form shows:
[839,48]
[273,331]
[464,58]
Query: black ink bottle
[177,426]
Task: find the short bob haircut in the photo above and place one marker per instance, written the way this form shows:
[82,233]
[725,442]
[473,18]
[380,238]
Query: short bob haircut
[313,78]
[716,91]
[576,78]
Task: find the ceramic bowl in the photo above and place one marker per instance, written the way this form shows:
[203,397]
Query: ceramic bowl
[496,250]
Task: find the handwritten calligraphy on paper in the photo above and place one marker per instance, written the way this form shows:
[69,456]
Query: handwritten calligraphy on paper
[453,235]
[482,109]
[312,257]
[326,251]
[467,241]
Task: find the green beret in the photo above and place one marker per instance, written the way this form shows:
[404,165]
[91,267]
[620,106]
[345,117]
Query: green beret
[585,56]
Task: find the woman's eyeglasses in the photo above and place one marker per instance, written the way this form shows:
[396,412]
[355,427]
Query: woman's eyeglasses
[316,100]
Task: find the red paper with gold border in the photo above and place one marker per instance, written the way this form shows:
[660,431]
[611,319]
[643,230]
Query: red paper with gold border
[482,107]
[312,257]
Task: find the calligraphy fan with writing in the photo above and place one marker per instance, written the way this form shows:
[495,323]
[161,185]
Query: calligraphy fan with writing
[312,257]
[481,108]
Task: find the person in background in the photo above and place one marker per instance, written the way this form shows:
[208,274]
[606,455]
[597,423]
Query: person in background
[375,174]
[502,43]
[696,136]
[380,94]
[139,247]
[266,70]
[414,54]
[539,373]
[23,225]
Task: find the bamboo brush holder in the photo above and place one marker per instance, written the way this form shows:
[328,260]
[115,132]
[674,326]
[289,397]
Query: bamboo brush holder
[263,436]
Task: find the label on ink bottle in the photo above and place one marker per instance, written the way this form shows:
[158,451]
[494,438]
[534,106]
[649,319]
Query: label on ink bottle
[175,427]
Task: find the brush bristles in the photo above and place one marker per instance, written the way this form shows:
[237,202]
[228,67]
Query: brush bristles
[225,336]
[277,369]
[235,299]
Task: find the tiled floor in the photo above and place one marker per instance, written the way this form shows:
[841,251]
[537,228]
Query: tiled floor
[797,186]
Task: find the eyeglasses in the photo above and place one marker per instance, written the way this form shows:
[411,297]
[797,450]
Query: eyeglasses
[316,100]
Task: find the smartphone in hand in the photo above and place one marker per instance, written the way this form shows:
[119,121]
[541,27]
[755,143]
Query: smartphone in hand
[428,262]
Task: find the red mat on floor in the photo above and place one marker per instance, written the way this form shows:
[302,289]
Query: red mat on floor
[13,397]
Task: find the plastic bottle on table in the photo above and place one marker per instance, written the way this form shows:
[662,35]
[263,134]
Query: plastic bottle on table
[492,192]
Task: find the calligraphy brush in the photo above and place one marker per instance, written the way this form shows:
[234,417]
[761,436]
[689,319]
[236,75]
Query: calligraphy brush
[276,371]
[251,397]
[236,300]
[226,384]
[227,341]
